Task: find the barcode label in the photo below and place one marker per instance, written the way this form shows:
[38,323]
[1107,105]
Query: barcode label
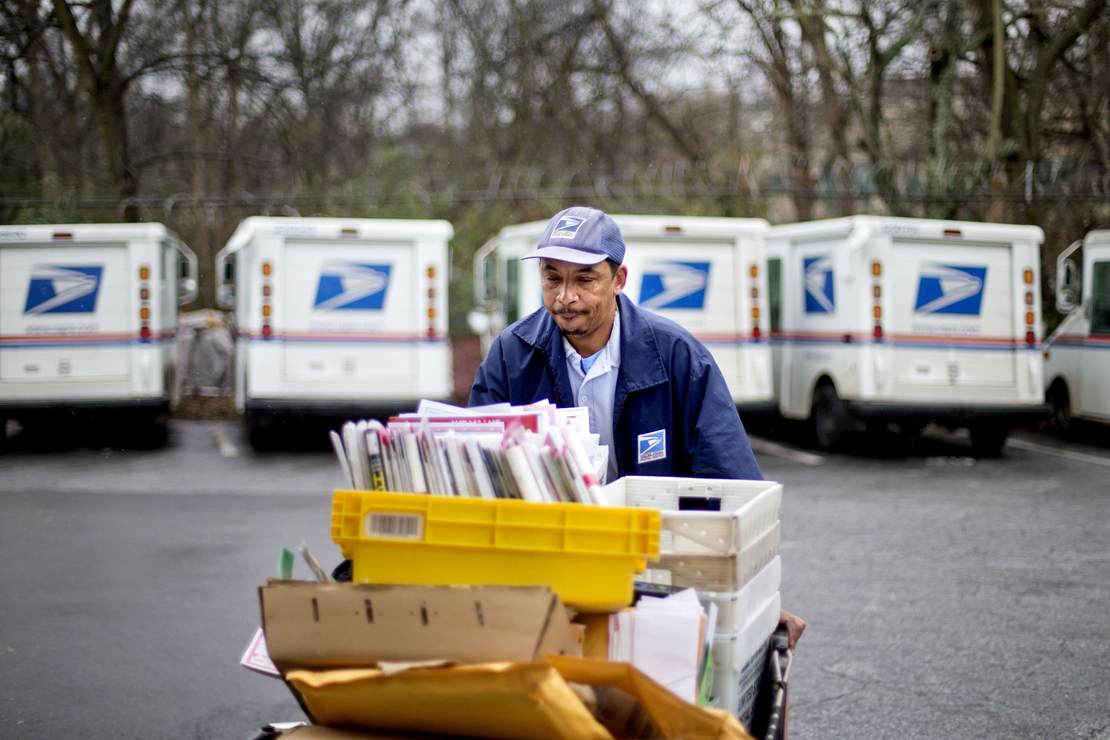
[398,526]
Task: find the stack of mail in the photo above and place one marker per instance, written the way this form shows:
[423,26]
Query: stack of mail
[535,453]
[666,639]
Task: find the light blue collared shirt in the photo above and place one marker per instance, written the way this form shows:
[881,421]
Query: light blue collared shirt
[594,382]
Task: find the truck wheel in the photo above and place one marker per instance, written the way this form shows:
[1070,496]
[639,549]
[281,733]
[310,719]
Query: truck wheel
[260,431]
[147,432]
[988,441]
[1060,400]
[828,417]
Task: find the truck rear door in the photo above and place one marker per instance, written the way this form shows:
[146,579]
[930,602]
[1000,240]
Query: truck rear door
[953,315]
[352,311]
[697,283]
[65,312]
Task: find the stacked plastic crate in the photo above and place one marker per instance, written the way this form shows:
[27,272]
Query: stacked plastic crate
[722,538]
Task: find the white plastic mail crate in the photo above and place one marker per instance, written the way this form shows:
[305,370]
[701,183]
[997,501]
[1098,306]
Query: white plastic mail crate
[739,511]
[737,609]
[717,573]
[739,659]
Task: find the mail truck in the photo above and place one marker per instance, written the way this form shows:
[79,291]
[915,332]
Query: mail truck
[88,314]
[336,316]
[879,320]
[1077,354]
[707,274]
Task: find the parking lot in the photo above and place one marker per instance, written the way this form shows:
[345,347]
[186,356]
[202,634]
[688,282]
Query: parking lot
[945,595]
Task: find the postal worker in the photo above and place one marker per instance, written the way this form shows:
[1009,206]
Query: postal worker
[655,395]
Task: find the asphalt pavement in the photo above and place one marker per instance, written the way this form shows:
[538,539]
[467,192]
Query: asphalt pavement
[945,595]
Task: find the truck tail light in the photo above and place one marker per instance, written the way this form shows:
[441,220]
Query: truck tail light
[753,273]
[267,297]
[877,300]
[1030,317]
[430,272]
[145,333]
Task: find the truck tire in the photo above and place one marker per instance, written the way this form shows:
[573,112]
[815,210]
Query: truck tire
[828,418]
[988,441]
[260,431]
[1060,400]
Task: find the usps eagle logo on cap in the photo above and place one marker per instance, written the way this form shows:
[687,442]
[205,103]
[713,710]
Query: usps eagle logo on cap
[651,446]
[567,227]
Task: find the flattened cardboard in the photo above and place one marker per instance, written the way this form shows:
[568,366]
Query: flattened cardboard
[347,625]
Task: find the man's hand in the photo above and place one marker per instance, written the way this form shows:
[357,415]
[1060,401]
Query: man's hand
[795,626]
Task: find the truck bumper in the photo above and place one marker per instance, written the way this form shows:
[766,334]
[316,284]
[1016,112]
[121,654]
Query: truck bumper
[956,415]
[328,408]
[22,409]
[757,408]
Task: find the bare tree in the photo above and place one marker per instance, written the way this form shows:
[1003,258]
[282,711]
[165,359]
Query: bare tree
[95,49]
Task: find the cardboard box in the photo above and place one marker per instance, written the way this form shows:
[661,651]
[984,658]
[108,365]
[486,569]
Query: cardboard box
[480,661]
[345,625]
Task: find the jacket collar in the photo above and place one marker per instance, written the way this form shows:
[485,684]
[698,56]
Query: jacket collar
[641,364]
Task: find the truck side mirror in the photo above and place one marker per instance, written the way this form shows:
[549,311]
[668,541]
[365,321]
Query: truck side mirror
[225,279]
[1067,286]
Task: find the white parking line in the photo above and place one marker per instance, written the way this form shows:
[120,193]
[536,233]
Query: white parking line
[767,447]
[1021,444]
[227,447]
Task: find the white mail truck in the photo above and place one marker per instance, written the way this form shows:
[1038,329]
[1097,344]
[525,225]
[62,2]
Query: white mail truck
[88,314]
[1077,354]
[336,316]
[879,320]
[706,274]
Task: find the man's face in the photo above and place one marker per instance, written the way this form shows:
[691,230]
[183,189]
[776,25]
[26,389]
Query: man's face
[580,298]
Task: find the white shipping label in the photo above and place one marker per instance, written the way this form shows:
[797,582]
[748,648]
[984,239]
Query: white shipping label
[396,526]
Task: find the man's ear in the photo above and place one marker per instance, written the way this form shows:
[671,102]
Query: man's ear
[620,279]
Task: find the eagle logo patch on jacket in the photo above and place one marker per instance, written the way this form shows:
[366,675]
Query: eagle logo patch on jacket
[651,446]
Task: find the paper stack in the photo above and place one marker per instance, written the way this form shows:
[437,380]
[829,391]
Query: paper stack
[667,639]
[536,453]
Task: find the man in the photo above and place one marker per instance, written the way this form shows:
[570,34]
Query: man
[656,397]
[655,394]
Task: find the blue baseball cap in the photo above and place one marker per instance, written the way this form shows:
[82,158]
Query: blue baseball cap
[582,235]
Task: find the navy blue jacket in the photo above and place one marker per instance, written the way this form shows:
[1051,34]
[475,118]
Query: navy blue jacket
[667,380]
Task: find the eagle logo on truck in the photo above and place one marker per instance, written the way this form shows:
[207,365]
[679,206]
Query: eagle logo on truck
[351,286]
[63,289]
[667,285]
[950,289]
[818,278]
